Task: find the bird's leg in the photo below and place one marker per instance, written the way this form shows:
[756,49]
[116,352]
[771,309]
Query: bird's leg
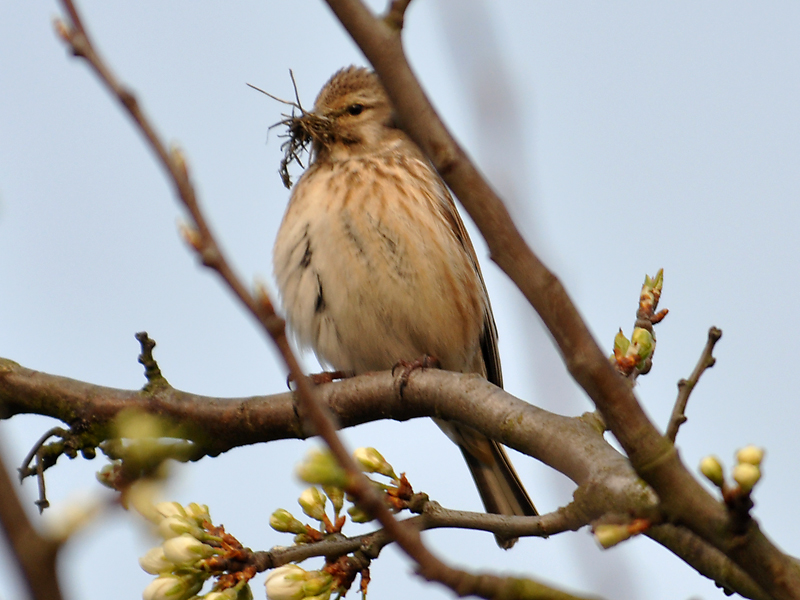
[321,378]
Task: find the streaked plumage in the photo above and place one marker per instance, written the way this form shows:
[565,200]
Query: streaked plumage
[374,264]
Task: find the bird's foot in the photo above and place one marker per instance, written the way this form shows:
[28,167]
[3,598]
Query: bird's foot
[405,367]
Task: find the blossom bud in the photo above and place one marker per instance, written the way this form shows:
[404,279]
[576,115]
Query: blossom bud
[621,343]
[711,468]
[609,535]
[198,512]
[313,502]
[174,526]
[185,550]
[336,496]
[154,562]
[746,475]
[285,583]
[642,342]
[172,587]
[317,583]
[752,455]
[282,520]
[372,461]
[170,509]
[358,516]
[321,468]
[108,474]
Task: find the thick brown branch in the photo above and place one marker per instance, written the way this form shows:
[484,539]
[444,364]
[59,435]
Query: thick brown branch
[651,454]
[573,446]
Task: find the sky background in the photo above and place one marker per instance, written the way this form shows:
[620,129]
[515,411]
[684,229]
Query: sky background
[626,136]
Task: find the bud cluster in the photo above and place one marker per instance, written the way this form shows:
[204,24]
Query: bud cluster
[184,560]
[632,355]
[746,473]
[329,483]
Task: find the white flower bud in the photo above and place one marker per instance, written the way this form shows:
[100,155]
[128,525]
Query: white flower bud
[154,562]
[711,468]
[746,475]
[313,502]
[372,461]
[752,455]
[282,520]
[321,468]
[285,583]
[174,526]
[185,550]
[170,509]
[172,587]
[198,512]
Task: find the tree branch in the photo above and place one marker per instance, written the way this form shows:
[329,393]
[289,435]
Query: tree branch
[686,386]
[572,445]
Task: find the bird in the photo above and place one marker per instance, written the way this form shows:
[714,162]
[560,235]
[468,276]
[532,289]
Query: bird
[375,267]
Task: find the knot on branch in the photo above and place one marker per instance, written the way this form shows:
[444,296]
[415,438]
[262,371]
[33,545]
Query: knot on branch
[152,372]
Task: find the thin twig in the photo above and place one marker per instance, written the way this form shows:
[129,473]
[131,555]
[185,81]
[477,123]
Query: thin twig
[35,555]
[434,517]
[395,16]
[685,386]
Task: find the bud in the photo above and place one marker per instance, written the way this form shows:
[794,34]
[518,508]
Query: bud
[358,516]
[372,461]
[313,502]
[155,563]
[320,467]
[336,496]
[747,476]
[621,344]
[285,583]
[609,535]
[282,520]
[172,587]
[170,509]
[711,468]
[171,527]
[752,455]
[108,474]
[185,550]
[642,342]
[317,584]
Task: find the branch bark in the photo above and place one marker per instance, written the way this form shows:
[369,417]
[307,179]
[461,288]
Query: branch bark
[572,445]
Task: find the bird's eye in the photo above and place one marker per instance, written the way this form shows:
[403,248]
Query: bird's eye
[355,109]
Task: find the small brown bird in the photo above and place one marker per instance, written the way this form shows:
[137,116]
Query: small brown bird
[374,264]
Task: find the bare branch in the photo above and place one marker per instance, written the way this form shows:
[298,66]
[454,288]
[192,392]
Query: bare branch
[685,386]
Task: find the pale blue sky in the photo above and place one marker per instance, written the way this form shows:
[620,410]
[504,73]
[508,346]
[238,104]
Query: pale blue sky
[643,136]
